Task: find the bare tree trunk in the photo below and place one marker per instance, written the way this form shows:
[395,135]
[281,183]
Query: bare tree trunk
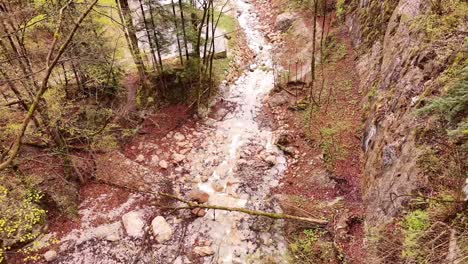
[183,28]
[324,14]
[312,64]
[177,33]
[153,56]
[199,29]
[207,34]
[132,38]
[156,39]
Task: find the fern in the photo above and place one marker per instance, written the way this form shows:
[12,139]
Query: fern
[453,107]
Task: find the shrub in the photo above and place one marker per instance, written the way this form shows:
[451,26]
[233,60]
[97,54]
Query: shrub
[340,9]
[21,216]
[453,107]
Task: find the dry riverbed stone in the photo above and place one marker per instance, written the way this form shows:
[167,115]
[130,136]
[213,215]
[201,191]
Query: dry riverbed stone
[133,223]
[161,229]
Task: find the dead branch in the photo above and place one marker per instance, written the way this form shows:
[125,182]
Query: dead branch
[192,205]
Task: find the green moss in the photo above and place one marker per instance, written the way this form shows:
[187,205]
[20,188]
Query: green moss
[306,242]
[374,19]
[452,106]
[334,50]
[310,247]
[333,150]
[441,23]
[414,224]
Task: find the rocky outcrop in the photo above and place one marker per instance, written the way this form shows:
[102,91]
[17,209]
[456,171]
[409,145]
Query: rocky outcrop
[398,65]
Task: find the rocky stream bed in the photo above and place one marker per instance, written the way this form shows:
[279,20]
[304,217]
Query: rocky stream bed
[227,160]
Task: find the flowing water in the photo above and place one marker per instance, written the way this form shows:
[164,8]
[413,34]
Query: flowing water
[240,144]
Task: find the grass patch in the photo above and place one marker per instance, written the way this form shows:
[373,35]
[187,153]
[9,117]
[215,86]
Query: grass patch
[311,246]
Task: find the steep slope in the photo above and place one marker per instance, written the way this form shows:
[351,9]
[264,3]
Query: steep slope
[413,55]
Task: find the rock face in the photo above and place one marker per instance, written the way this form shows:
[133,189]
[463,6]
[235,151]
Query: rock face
[399,65]
[278,99]
[161,229]
[284,21]
[133,223]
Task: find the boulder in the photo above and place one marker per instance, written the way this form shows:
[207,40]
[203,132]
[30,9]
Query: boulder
[140,158]
[154,160]
[50,255]
[284,21]
[133,223]
[161,229]
[271,160]
[278,100]
[253,67]
[220,55]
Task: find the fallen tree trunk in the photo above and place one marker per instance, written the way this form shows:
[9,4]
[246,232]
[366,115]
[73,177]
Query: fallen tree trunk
[193,205]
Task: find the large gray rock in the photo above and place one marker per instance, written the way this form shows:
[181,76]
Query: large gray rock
[278,99]
[284,21]
[161,229]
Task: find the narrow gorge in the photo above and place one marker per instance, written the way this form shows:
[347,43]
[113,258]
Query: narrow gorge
[238,131]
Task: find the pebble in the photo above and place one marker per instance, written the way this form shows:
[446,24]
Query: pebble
[163,164]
